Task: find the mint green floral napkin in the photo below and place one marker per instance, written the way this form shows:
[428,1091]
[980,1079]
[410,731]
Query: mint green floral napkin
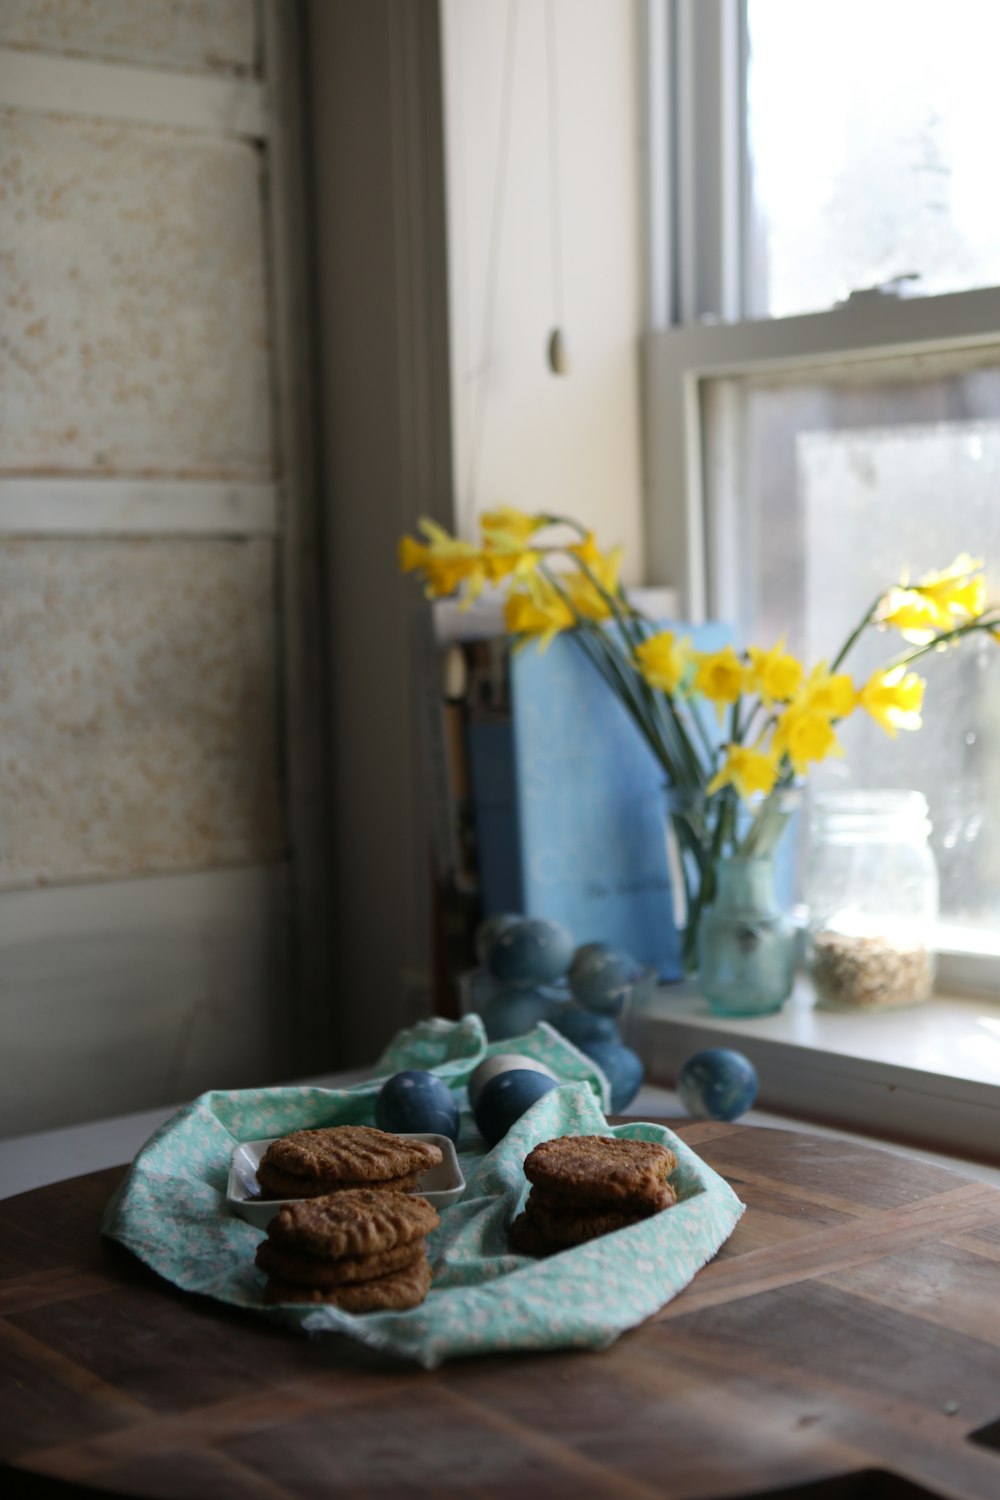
[171,1211]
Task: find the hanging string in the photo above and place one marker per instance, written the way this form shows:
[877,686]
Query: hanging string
[493,262]
[558,355]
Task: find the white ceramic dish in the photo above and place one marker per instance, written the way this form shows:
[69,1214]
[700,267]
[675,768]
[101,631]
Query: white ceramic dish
[440,1186]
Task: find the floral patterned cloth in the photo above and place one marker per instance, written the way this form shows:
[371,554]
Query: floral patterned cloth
[171,1212]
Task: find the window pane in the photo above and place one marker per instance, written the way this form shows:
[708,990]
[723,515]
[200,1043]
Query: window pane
[872,127]
[848,476]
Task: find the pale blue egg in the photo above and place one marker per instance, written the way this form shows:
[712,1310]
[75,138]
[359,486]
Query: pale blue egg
[582,1026]
[501,1062]
[515,1012]
[488,931]
[717,1084]
[504,1099]
[416,1102]
[602,978]
[622,1067]
[532,951]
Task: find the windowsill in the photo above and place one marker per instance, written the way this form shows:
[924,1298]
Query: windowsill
[927,1074]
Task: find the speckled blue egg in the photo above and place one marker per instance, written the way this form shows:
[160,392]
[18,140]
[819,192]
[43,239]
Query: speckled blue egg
[582,1026]
[506,1098]
[532,951]
[487,932]
[417,1102]
[717,1084]
[602,978]
[622,1067]
[501,1062]
[516,1011]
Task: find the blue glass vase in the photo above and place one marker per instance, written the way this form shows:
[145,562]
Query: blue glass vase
[746,941]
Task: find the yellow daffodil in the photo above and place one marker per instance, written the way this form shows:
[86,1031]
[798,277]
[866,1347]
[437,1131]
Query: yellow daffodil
[509,527]
[828,693]
[588,595]
[937,603]
[959,588]
[918,619]
[664,660]
[445,562]
[746,769]
[540,612]
[805,734]
[514,562]
[894,699]
[775,675]
[720,676]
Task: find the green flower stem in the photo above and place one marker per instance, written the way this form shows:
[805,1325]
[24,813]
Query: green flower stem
[981,622]
[856,633]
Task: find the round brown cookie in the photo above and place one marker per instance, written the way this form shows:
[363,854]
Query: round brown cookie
[275,1184]
[349,1153]
[562,1203]
[318,1271]
[360,1221]
[601,1169]
[393,1293]
[572,1226]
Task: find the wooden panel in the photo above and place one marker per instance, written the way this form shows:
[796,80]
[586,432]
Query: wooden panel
[84,507]
[211,36]
[134,302]
[784,1384]
[137,689]
[127,994]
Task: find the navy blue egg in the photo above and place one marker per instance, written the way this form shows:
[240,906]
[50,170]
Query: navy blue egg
[533,951]
[417,1103]
[488,931]
[622,1067]
[602,978]
[504,1099]
[514,1012]
[582,1026]
[717,1084]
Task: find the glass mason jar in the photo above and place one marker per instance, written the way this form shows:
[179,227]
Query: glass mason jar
[872,894]
[746,941]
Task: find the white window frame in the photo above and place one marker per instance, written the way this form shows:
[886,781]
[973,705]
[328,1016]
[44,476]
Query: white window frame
[696,292]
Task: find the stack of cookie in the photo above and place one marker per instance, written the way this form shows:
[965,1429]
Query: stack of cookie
[312,1163]
[361,1249]
[584,1186]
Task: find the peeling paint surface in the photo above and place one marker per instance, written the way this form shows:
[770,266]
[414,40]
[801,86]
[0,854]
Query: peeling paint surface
[133,320]
[138,707]
[214,36]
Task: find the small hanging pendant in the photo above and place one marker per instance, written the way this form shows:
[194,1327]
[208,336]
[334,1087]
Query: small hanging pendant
[559,360]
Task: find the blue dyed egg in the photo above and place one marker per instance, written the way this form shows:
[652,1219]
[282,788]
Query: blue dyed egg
[504,1099]
[623,1069]
[417,1103]
[602,978]
[501,1062]
[582,1026]
[717,1084]
[487,932]
[532,951]
[514,1012]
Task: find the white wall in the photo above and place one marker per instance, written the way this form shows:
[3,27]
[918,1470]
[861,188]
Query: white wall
[523,436]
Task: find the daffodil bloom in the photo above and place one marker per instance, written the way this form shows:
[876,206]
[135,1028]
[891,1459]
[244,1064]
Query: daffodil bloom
[775,675]
[746,769]
[500,562]
[805,734]
[937,603]
[958,588]
[541,612]
[720,676]
[917,618]
[664,660]
[829,693]
[445,562]
[588,593]
[509,526]
[894,699]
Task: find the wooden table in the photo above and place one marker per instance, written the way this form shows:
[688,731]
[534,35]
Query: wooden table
[850,1327]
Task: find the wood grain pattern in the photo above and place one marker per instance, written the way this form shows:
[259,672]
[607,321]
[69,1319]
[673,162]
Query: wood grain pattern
[844,1342]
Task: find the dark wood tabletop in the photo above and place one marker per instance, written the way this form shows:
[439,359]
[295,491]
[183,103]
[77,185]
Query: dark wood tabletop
[846,1336]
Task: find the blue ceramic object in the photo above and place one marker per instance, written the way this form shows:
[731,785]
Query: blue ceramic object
[505,1099]
[487,932]
[622,1067]
[502,1062]
[532,951]
[582,1027]
[602,978]
[516,1011]
[417,1102]
[717,1084]
[746,941]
